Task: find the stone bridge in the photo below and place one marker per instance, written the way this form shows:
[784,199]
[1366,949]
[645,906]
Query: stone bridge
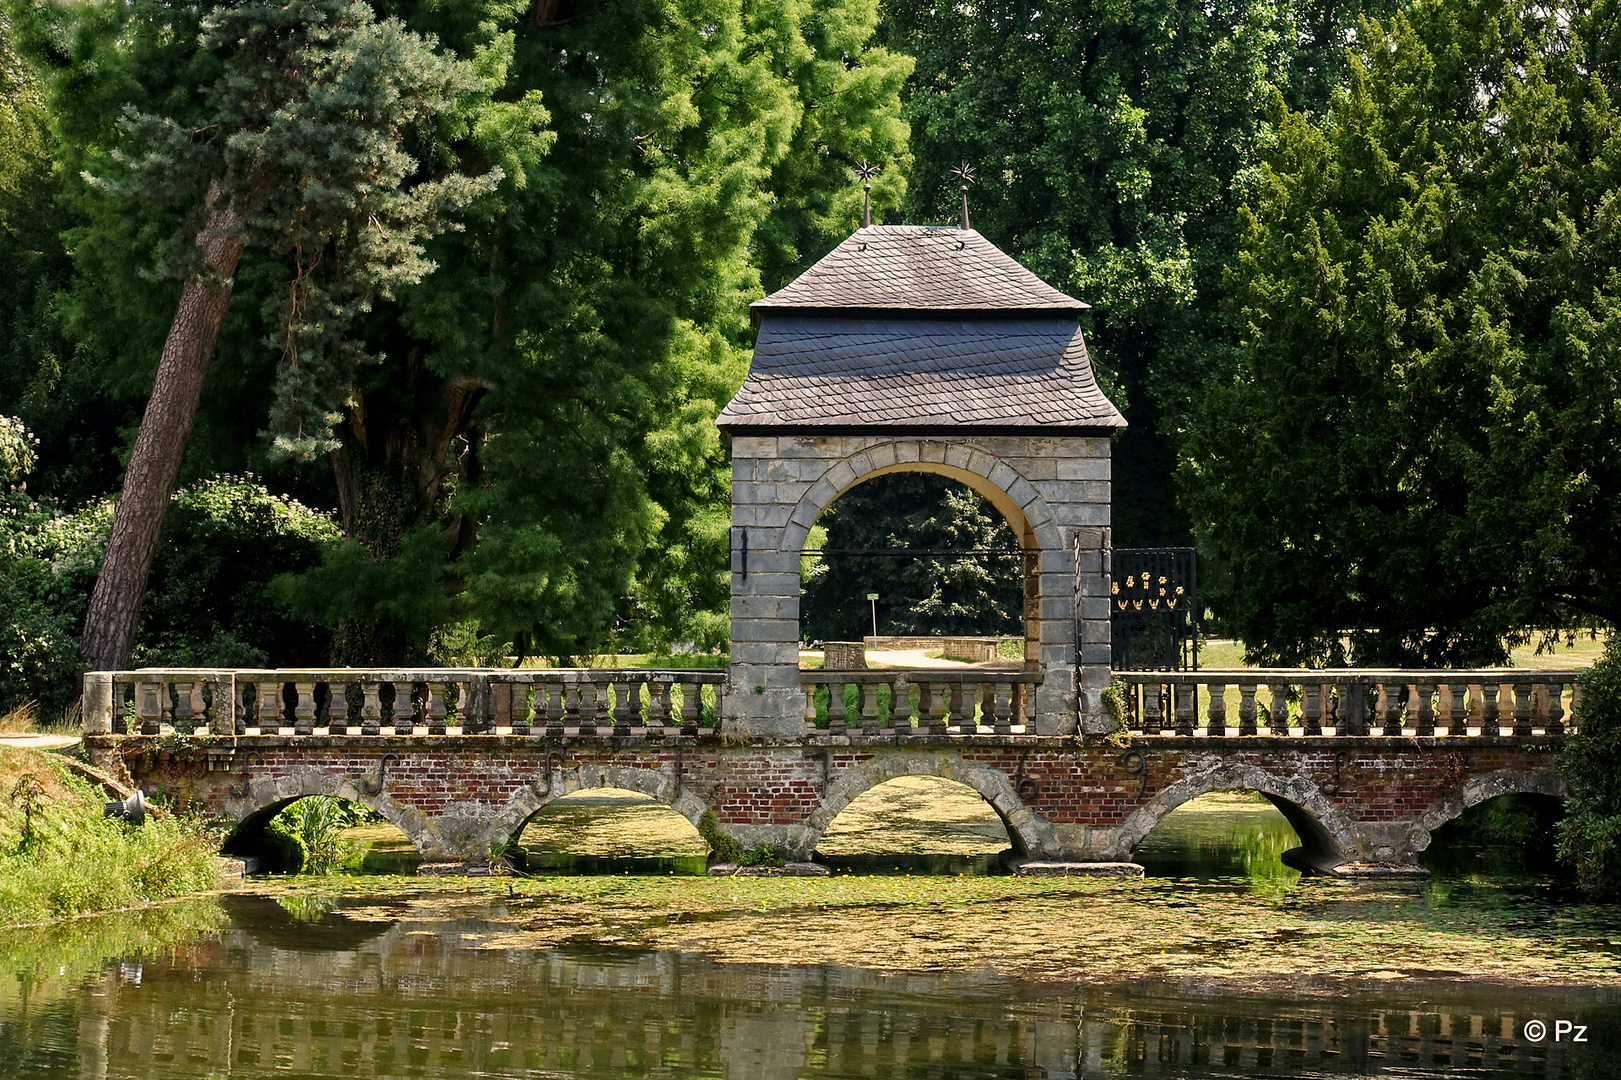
[1365,765]
[905,349]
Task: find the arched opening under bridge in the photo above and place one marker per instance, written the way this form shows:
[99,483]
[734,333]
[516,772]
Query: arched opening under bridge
[316,833]
[609,830]
[1512,833]
[917,824]
[1225,834]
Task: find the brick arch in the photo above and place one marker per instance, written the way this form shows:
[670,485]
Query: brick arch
[268,796]
[1327,836]
[1029,833]
[1479,789]
[660,785]
[1013,495]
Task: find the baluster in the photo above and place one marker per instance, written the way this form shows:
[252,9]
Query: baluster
[188,696]
[549,707]
[869,708]
[270,708]
[519,707]
[124,694]
[659,706]
[1153,708]
[1246,708]
[939,707]
[337,708]
[1311,715]
[1216,715]
[1457,709]
[925,708]
[691,707]
[621,707]
[436,708]
[238,709]
[150,707]
[582,706]
[304,708]
[962,709]
[810,689]
[184,716]
[837,722]
[1522,710]
[1393,695]
[1352,712]
[1182,707]
[900,706]
[634,707]
[1488,709]
[1002,709]
[1556,709]
[371,708]
[1279,723]
[1426,712]
[404,709]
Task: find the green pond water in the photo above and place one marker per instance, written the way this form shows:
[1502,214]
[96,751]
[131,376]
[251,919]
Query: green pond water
[384,985]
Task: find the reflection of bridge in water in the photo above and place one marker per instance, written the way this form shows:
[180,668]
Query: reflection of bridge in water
[438,998]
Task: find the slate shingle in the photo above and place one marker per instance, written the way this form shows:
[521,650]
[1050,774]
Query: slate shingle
[820,372]
[918,268]
[910,327]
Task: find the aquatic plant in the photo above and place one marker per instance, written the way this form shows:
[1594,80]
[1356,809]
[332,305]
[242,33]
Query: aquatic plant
[310,834]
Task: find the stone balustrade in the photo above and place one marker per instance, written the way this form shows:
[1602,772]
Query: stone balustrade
[919,703]
[1350,702]
[432,701]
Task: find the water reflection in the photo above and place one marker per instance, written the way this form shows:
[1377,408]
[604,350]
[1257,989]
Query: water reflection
[1222,835]
[381,996]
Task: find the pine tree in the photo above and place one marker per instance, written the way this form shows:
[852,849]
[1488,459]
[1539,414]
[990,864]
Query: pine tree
[283,130]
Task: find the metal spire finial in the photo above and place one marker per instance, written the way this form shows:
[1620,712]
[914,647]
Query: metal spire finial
[965,174]
[866,172]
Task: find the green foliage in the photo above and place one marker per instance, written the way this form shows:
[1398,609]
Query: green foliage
[954,595]
[75,861]
[309,833]
[1112,144]
[1416,445]
[723,849]
[1590,834]
[209,603]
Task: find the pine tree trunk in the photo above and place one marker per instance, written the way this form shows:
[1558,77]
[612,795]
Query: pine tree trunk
[109,629]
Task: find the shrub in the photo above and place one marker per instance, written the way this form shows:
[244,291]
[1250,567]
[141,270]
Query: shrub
[313,829]
[1590,834]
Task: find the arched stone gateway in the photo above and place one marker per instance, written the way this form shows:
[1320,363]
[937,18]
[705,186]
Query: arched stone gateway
[916,349]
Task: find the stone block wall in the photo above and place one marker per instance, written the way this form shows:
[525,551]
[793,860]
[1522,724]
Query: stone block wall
[1053,490]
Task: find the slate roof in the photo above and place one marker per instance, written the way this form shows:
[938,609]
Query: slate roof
[917,268]
[909,328]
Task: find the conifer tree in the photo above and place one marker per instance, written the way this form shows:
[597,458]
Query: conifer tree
[283,129]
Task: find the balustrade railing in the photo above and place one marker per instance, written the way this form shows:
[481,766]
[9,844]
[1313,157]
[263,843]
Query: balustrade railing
[918,703]
[433,701]
[1351,702]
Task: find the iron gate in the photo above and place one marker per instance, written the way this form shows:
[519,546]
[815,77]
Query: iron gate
[1153,609]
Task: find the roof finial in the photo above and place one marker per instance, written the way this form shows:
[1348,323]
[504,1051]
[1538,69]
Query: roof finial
[964,173]
[866,172]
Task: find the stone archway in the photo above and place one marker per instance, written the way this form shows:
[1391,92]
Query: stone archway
[265,797]
[1327,836]
[918,349]
[1479,789]
[657,784]
[1031,834]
